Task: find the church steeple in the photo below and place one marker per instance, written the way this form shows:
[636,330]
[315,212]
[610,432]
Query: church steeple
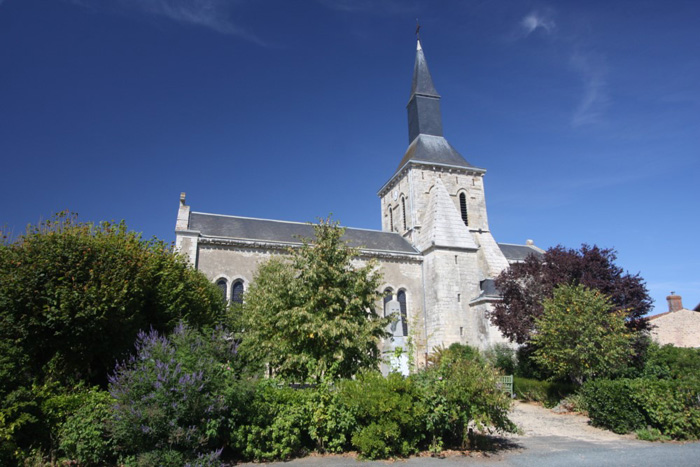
[425,141]
[424,104]
[422,81]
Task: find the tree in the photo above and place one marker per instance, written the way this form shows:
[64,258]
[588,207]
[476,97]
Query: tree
[578,337]
[524,286]
[73,297]
[312,316]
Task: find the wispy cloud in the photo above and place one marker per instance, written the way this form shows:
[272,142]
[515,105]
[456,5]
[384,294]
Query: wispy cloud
[216,15]
[589,67]
[537,20]
[593,72]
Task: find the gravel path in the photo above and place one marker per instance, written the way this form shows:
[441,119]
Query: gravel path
[535,420]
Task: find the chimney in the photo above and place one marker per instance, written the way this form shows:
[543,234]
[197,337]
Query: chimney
[674,302]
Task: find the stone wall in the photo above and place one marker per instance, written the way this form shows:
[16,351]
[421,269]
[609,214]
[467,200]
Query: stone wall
[680,328]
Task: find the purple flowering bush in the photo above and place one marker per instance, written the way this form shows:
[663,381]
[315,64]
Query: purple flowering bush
[170,398]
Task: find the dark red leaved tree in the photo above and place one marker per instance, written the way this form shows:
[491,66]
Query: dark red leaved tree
[525,285]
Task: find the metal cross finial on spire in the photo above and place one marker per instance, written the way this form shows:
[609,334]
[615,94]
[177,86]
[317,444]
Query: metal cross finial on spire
[417,29]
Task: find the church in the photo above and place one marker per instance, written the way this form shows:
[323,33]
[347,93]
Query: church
[435,250]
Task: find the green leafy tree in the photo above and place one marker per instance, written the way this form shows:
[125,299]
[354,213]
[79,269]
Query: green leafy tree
[312,316]
[578,338]
[73,297]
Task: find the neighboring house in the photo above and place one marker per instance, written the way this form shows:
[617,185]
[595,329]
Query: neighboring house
[435,250]
[678,326]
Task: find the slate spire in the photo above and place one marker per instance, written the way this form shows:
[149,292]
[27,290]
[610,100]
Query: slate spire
[424,104]
[426,143]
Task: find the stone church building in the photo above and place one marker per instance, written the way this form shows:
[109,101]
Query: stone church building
[436,252]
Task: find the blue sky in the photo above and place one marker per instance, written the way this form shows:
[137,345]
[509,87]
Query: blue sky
[586,115]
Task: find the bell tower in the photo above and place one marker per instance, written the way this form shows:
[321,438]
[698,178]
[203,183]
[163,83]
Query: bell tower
[435,199]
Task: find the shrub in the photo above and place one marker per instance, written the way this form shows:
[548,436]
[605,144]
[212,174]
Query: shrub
[443,357]
[611,404]
[671,406]
[669,362]
[548,393]
[378,416]
[84,437]
[460,394]
[332,423]
[31,417]
[502,357]
[651,434]
[388,413]
[274,422]
[170,397]
[20,425]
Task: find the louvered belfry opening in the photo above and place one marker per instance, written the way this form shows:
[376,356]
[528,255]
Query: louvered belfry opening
[403,212]
[463,208]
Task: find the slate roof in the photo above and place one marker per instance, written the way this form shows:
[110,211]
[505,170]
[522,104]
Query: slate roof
[266,230]
[488,288]
[517,253]
[422,81]
[434,150]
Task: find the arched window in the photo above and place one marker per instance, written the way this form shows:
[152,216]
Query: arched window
[388,296]
[222,285]
[463,208]
[391,219]
[237,292]
[403,212]
[401,298]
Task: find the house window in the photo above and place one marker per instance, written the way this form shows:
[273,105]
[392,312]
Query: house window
[391,219]
[237,292]
[463,208]
[401,298]
[222,285]
[403,211]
